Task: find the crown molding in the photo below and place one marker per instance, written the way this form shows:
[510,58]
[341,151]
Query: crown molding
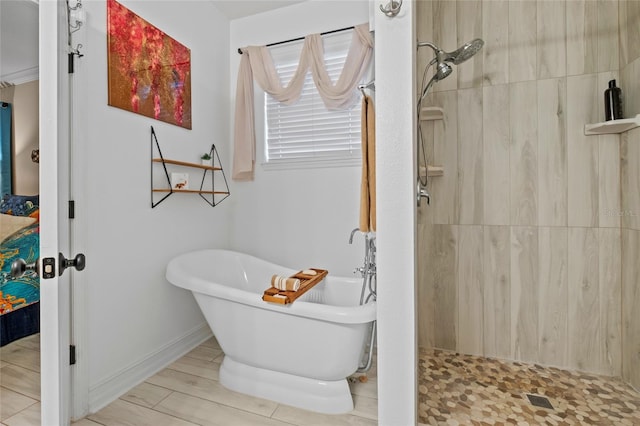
[20,77]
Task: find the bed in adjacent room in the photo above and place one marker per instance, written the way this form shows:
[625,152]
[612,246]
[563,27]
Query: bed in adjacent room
[19,238]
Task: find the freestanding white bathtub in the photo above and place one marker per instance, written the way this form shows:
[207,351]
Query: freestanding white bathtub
[298,354]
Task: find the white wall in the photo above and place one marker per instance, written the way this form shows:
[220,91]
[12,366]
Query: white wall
[396,154]
[26,138]
[133,313]
[324,202]
[297,218]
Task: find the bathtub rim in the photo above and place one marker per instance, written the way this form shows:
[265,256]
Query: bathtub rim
[178,275]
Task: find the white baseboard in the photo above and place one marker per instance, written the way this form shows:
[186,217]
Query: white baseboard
[111,388]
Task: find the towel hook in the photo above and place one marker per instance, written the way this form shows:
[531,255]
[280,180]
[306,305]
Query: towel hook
[370,85]
[392,8]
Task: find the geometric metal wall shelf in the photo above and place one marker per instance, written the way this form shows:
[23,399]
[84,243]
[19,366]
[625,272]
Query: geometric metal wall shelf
[206,191]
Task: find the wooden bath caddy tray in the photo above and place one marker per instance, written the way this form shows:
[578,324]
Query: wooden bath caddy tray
[284,297]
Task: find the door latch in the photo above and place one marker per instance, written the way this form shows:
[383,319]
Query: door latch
[48,267]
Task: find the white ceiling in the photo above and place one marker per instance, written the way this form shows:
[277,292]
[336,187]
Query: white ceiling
[241,8]
[19,32]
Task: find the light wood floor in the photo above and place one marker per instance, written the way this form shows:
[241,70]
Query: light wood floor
[185,393]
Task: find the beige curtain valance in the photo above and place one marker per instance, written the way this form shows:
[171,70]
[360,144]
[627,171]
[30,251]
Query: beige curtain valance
[256,63]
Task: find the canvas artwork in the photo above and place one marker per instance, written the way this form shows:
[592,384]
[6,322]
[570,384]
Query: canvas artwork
[149,72]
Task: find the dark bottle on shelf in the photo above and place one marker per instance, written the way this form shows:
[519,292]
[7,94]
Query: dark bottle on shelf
[613,102]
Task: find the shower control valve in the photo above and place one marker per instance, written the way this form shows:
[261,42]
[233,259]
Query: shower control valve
[422,193]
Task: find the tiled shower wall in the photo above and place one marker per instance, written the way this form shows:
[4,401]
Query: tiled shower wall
[521,250]
[630,185]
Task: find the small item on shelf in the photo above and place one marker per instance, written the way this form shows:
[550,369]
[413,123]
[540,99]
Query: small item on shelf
[180,181]
[613,102]
[206,159]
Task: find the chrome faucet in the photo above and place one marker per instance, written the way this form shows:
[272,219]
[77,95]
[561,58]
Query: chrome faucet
[362,269]
[369,282]
[368,270]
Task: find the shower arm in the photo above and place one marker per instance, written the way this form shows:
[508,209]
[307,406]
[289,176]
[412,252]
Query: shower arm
[431,45]
[441,55]
[433,79]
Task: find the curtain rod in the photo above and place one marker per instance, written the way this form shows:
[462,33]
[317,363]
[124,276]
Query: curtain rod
[302,38]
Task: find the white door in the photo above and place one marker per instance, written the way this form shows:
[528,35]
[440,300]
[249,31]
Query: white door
[54,290]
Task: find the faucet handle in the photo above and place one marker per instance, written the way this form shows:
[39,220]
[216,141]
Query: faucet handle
[360,269]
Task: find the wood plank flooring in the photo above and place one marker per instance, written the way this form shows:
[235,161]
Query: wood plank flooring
[187,392]
[453,389]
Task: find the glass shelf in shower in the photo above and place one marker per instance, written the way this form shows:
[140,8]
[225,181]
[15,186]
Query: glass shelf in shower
[431,171]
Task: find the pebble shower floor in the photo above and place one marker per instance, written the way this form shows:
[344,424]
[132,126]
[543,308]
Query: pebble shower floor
[457,389]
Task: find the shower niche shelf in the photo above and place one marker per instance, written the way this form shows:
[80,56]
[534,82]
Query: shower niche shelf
[431,171]
[167,188]
[612,126]
[431,113]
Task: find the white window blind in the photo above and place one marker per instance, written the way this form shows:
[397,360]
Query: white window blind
[306,131]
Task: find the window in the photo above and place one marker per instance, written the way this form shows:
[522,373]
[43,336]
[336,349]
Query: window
[306,131]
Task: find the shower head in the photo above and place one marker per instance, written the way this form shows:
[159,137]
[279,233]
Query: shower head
[442,60]
[458,56]
[442,70]
[465,52]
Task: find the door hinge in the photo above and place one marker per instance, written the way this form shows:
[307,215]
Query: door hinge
[72,209]
[72,355]
[71,58]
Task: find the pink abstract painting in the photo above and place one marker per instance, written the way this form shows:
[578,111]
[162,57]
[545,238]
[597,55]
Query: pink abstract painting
[149,72]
